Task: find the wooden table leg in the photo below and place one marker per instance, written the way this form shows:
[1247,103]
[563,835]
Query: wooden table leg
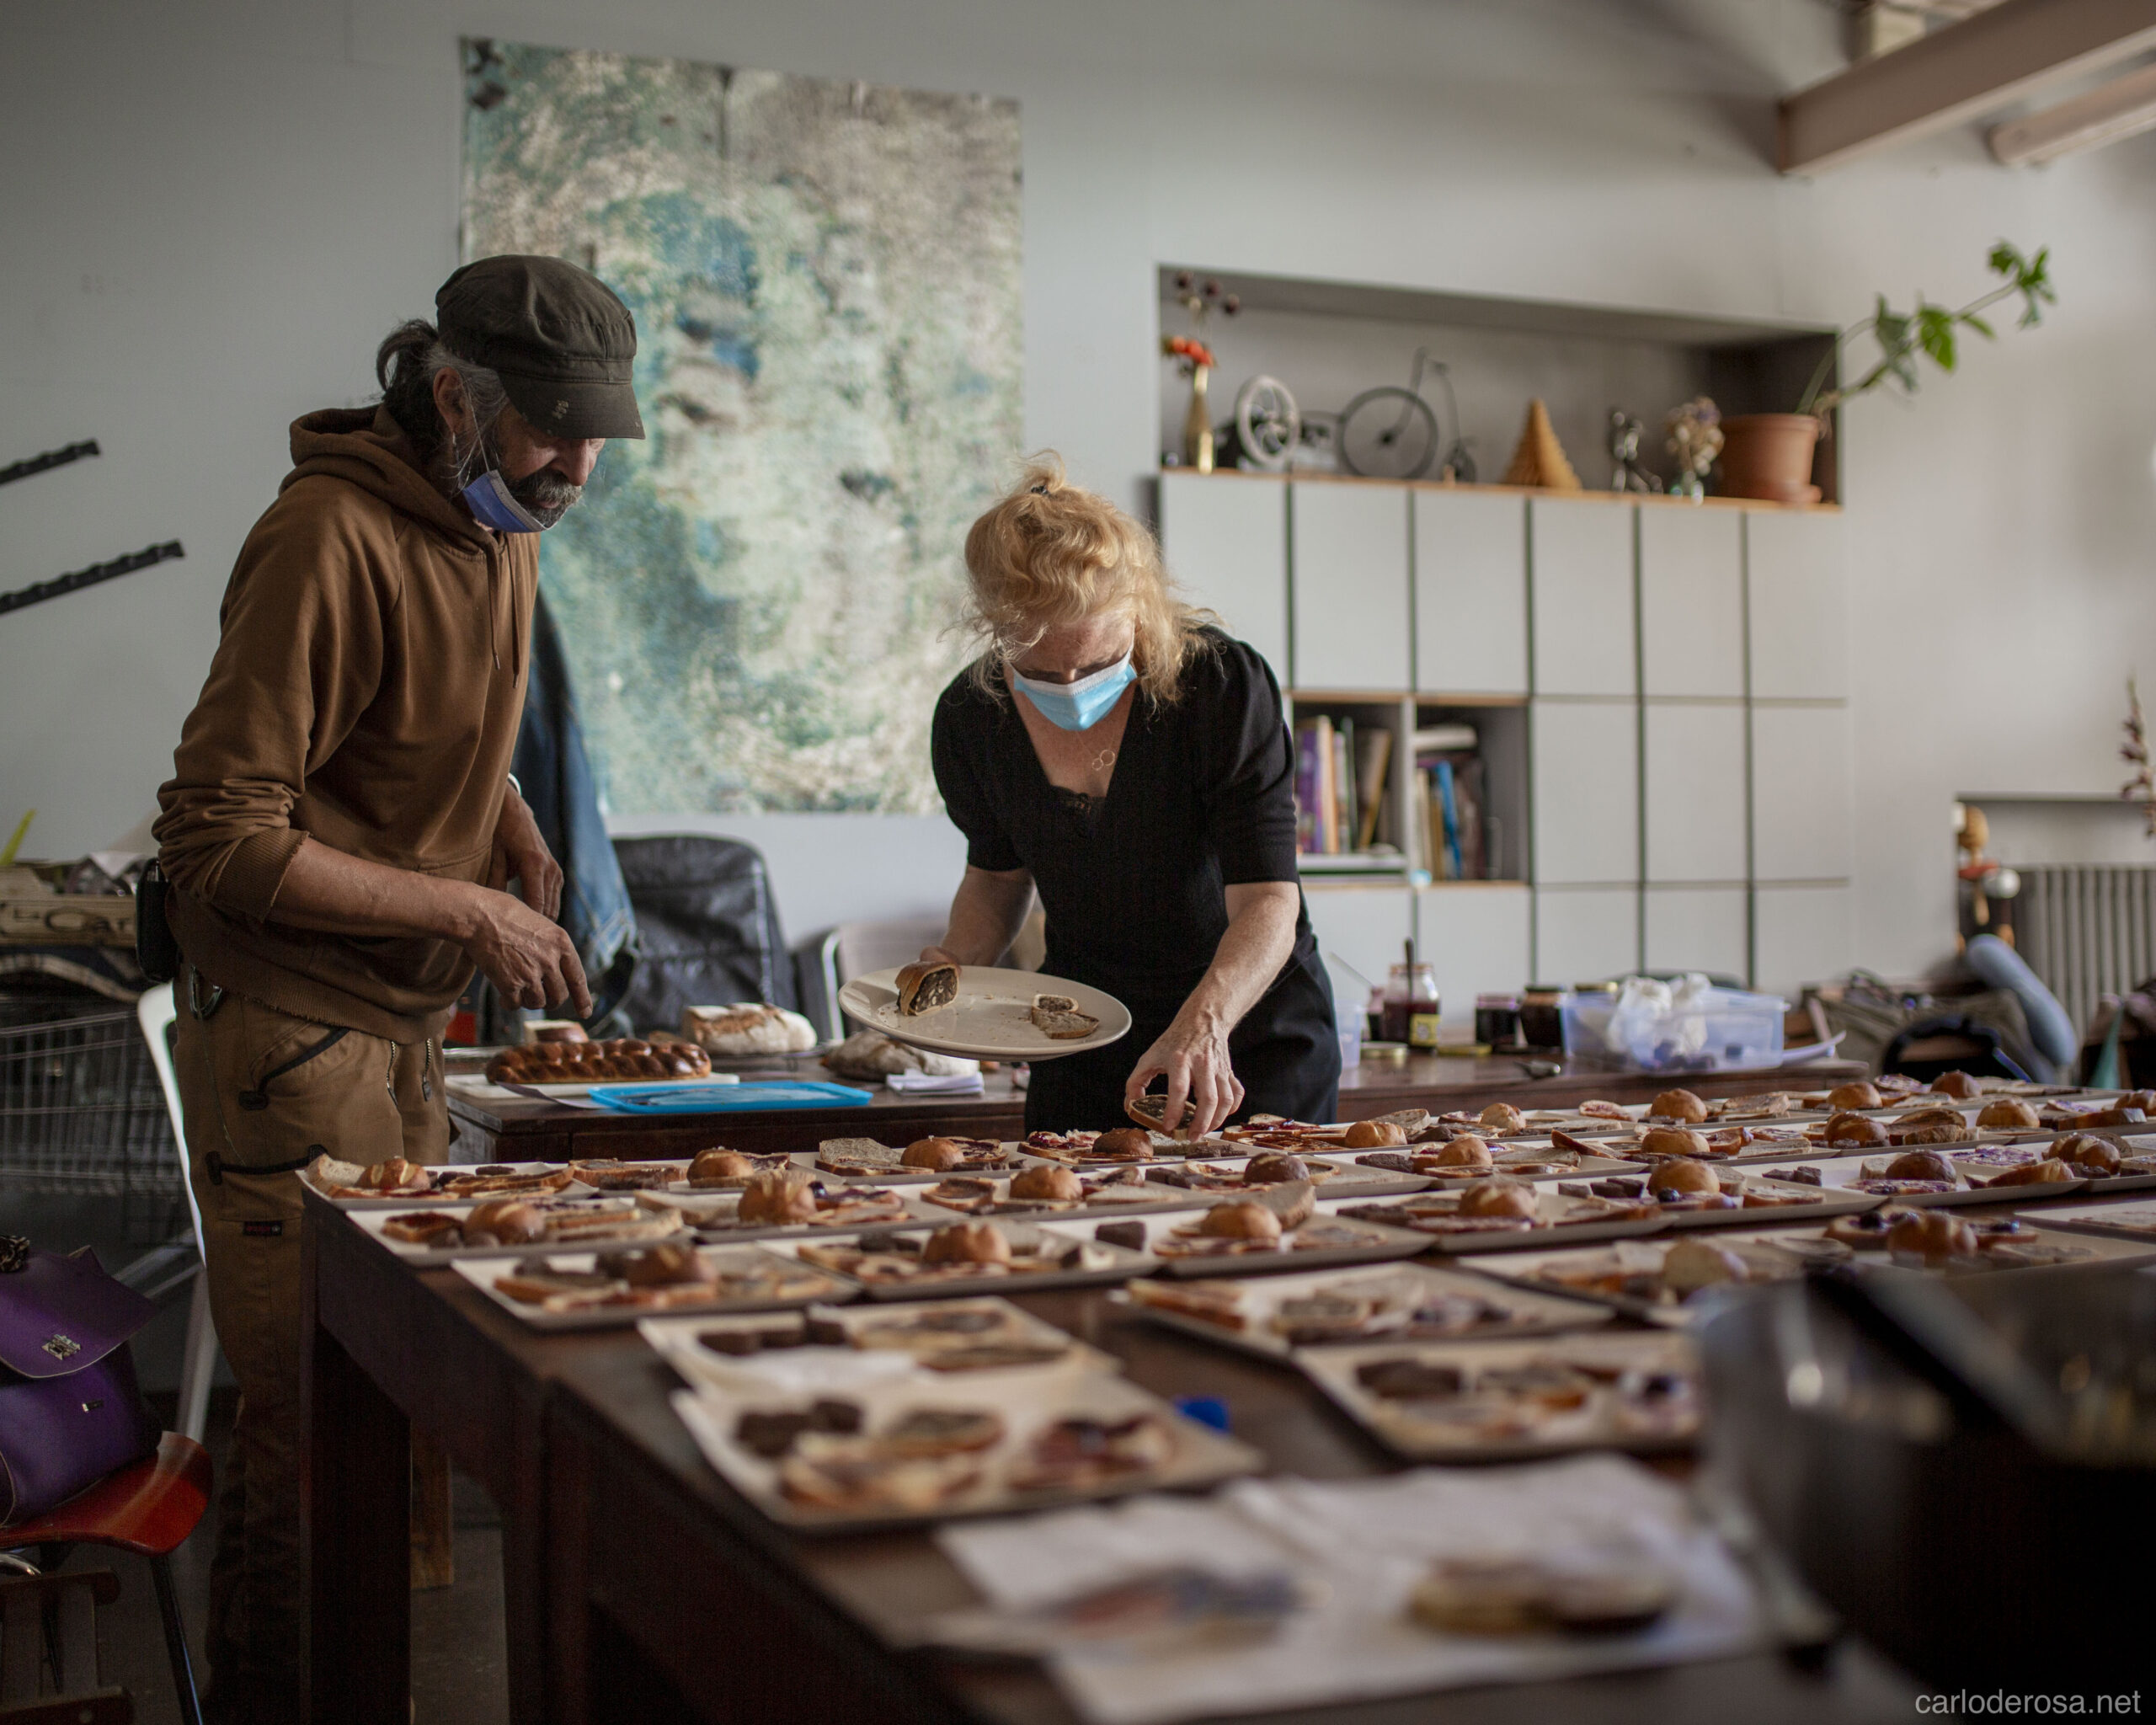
[433,1527]
[360,1516]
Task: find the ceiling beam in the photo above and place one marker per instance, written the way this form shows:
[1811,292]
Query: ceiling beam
[1957,74]
[2118,110]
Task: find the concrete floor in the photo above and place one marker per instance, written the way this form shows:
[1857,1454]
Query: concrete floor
[457,1651]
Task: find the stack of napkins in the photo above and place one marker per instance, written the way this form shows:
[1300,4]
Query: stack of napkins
[932,1084]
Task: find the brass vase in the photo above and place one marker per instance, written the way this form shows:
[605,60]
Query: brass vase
[1198,424]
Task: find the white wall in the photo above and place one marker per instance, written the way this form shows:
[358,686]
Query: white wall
[218,207]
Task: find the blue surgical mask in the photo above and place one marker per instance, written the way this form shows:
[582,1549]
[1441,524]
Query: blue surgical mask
[493,505]
[1079,706]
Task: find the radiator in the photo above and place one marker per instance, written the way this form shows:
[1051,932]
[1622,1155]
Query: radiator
[2087,932]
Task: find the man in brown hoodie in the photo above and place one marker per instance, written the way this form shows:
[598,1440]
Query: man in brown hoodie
[340,830]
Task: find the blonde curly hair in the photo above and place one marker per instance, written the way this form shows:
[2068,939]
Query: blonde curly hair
[1049,554]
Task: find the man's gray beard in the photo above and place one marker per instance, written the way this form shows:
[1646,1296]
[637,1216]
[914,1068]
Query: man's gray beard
[546,495]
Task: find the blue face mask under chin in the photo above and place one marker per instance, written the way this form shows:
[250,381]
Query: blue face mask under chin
[492,504]
[1079,706]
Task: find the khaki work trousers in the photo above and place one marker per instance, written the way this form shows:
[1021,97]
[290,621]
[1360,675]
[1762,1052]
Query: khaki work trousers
[262,1091]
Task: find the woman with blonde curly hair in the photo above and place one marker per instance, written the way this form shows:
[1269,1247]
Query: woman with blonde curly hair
[1114,750]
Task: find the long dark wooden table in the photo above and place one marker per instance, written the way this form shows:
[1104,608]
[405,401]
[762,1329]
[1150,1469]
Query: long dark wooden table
[529,1129]
[638,1586]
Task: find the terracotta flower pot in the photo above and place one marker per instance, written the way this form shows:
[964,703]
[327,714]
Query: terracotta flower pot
[1769,456]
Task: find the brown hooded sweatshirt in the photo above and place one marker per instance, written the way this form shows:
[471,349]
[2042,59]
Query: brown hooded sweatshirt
[366,693]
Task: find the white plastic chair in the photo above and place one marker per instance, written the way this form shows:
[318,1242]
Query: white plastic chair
[856,948]
[157,1012]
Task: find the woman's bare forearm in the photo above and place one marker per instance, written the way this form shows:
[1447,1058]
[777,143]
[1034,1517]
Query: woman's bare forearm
[987,912]
[1261,935]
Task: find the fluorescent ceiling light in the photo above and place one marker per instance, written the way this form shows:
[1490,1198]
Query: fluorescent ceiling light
[2104,115]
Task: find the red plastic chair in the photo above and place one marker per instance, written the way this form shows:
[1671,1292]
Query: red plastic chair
[148,1509]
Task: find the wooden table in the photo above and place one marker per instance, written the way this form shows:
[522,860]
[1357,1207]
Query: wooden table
[640,1587]
[533,1130]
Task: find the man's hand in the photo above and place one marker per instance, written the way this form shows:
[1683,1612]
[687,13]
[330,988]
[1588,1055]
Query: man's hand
[524,953]
[530,959]
[521,855]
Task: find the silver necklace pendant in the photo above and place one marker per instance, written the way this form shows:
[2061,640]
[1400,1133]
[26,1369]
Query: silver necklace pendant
[1103,761]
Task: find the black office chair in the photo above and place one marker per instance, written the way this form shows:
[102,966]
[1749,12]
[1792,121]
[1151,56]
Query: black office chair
[1933,1047]
[708,927]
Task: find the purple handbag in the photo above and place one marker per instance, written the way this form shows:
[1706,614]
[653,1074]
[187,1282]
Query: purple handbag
[70,1412]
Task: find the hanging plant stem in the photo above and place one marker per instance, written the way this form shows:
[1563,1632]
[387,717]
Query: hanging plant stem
[1931,331]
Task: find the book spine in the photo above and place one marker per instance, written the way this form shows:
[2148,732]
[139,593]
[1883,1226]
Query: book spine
[1448,802]
[1344,782]
[1306,780]
[1467,788]
[1328,805]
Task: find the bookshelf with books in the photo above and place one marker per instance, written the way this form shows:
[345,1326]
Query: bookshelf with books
[1349,783]
[1467,797]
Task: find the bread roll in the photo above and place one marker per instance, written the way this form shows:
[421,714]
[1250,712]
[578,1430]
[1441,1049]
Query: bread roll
[2084,1150]
[1673,1140]
[397,1175]
[938,1155]
[1502,1117]
[924,986]
[714,1168]
[1684,1177]
[1920,1165]
[1848,1097]
[507,1221]
[1464,1152]
[1678,1105]
[1854,1132]
[1498,1197]
[1047,1185]
[1124,1144]
[2010,1111]
[1956,1084]
[1690,1265]
[778,1198]
[1273,1166]
[1241,1219]
[967,1243]
[1372,1135]
[1931,1234]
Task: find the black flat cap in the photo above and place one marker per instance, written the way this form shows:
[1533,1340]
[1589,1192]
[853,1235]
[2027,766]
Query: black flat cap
[561,338]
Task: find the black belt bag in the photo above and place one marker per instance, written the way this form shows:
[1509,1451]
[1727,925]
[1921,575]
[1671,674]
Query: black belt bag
[155,949]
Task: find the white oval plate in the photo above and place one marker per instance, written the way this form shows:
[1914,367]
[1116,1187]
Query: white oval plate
[989,1019]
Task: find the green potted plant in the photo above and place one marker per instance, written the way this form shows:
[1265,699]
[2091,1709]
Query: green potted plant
[1769,456]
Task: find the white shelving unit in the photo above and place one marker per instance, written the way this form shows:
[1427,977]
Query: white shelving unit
[1661,688]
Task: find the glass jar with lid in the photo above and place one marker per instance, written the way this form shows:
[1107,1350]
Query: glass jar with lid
[1412,1004]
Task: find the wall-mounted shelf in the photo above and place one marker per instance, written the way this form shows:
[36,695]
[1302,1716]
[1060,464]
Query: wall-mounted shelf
[1749,505]
[1329,342]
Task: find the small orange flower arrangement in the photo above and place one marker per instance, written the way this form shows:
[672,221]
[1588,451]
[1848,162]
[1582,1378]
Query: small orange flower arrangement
[1187,349]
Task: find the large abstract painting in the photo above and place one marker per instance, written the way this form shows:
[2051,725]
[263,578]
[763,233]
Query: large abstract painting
[759,601]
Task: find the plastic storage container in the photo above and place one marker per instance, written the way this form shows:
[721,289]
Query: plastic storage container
[1701,1030]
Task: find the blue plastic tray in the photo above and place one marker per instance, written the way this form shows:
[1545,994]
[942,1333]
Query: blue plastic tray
[726,1098]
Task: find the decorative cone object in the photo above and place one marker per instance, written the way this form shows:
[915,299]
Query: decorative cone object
[1539,459]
